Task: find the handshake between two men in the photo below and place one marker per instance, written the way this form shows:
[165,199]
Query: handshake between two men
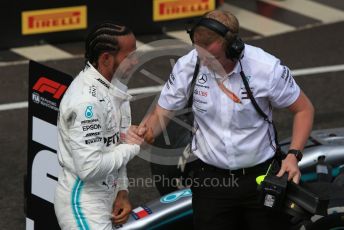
[150,127]
[139,135]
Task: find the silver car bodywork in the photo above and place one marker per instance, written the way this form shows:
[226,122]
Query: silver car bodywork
[326,142]
[176,207]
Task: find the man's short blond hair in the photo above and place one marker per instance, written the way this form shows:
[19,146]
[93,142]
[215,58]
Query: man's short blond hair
[204,36]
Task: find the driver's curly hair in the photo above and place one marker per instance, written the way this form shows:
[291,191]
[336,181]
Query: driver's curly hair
[103,38]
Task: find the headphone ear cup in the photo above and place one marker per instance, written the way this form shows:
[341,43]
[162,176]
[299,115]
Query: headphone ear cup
[235,49]
[191,33]
[229,39]
[190,29]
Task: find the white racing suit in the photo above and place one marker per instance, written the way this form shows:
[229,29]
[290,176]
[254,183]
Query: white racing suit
[93,115]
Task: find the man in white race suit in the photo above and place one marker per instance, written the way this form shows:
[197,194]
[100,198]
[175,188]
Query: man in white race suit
[92,191]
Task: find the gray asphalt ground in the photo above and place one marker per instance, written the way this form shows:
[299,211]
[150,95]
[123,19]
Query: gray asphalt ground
[313,47]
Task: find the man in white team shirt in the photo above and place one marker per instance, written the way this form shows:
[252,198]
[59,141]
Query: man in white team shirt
[92,190]
[231,137]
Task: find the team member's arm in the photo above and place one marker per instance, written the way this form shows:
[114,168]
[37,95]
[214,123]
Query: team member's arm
[285,93]
[86,132]
[152,125]
[173,97]
[303,120]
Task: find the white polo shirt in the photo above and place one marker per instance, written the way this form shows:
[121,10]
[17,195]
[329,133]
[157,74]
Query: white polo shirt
[232,135]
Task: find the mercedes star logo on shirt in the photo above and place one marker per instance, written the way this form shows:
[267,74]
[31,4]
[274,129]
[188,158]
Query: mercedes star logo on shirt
[202,79]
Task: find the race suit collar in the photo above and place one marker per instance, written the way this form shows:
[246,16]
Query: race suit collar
[94,74]
[114,87]
[118,84]
[120,90]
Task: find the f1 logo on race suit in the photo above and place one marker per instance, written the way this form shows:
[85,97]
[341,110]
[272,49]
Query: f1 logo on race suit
[46,85]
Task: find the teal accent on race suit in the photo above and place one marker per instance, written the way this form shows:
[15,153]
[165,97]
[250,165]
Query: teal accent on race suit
[172,219]
[78,215]
[88,112]
[306,177]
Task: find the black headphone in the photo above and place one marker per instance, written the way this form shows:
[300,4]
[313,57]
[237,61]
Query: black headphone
[234,46]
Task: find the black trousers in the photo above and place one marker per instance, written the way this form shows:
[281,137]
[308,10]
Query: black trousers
[222,200]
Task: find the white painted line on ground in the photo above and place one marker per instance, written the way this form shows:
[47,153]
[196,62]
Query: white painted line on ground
[42,52]
[16,105]
[138,43]
[152,76]
[257,23]
[158,88]
[24,62]
[140,46]
[150,89]
[180,35]
[14,63]
[317,70]
[310,9]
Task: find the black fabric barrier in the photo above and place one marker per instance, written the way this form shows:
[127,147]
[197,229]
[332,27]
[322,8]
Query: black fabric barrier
[134,13]
[52,21]
[46,88]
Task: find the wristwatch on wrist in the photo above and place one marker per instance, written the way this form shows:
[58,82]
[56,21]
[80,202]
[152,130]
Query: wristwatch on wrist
[298,153]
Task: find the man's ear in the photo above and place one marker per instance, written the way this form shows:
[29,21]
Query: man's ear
[105,65]
[104,59]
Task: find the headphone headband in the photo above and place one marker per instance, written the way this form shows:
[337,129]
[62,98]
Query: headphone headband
[213,25]
[235,46]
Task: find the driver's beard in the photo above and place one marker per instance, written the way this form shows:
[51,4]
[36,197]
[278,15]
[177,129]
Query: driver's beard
[121,74]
